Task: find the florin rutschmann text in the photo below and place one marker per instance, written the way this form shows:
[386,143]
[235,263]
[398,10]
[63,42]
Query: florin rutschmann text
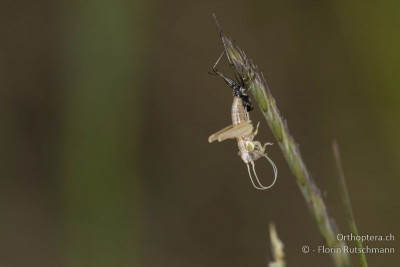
[355,250]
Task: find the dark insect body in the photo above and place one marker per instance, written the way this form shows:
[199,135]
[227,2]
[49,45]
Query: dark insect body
[238,90]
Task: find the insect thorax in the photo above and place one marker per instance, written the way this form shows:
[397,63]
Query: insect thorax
[240,91]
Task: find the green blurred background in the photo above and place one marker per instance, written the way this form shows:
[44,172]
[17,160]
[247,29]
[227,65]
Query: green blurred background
[106,107]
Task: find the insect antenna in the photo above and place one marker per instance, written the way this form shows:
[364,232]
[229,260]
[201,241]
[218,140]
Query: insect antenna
[260,186]
[251,179]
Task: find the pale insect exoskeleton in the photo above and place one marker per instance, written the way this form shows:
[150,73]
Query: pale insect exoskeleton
[242,130]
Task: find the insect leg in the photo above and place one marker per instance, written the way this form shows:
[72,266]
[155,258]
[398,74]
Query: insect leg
[242,129]
[214,136]
[228,80]
[238,90]
[256,131]
[260,147]
[216,63]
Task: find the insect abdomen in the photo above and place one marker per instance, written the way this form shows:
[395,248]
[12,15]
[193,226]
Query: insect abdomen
[239,114]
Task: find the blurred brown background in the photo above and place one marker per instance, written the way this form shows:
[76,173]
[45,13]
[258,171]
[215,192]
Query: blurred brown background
[106,107]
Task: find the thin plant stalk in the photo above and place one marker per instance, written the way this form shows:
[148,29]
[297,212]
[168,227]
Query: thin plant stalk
[246,72]
[346,202]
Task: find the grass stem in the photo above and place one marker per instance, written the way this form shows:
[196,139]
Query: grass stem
[246,73]
[346,202]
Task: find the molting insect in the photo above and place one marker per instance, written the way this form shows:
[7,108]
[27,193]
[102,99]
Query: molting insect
[242,129]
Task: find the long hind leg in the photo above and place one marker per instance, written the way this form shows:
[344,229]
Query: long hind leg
[214,136]
[242,129]
[231,132]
